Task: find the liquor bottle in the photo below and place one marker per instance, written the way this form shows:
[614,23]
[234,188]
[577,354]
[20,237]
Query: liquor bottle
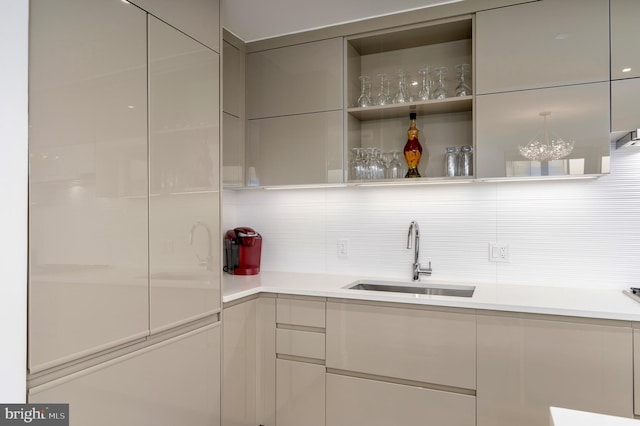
[412,149]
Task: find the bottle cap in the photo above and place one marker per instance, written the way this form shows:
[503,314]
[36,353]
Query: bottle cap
[412,116]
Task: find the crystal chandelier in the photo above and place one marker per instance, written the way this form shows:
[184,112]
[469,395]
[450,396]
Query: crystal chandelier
[546,150]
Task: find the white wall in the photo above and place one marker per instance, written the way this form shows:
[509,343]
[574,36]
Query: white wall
[583,233]
[14,21]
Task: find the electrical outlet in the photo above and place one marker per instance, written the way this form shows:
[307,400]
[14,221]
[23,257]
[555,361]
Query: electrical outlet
[498,252]
[343,248]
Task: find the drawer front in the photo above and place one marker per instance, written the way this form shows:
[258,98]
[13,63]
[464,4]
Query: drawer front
[349,402]
[427,346]
[307,344]
[309,313]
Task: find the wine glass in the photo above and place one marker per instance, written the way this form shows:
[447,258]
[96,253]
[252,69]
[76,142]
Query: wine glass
[463,88]
[365,88]
[382,98]
[440,91]
[402,93]
[425,90]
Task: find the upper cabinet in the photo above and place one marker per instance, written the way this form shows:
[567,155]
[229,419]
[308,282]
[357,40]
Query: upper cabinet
[199,19]
[297,79]
[88,178]
[294,107]
[412,69]
[543,90]
[233,107]
[184,156]
[625,65]
[542,44]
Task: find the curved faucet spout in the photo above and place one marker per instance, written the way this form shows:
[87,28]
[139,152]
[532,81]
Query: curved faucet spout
[414,231]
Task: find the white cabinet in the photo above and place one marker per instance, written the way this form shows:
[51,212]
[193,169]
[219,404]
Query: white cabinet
[542,44]
[184,228]
[171,383]
[429,346]
[358,401]
[294,106]
[88,126]
[200,19]
[526,364]
[507,121]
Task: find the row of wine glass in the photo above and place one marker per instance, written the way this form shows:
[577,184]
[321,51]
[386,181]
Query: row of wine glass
[431,85]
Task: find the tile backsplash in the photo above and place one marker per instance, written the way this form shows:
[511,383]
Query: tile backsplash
[574,233]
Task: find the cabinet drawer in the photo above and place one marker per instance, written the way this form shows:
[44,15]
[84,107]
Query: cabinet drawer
[421,345]
[356,401]
[309,313]
[306,344]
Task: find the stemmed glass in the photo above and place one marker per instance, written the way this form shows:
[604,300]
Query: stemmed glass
[463,88]
[440,91]
[365,89]
[425,90]
[382,98]
[395,169]
[402,94]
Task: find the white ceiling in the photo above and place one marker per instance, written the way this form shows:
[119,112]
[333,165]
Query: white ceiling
[253,20]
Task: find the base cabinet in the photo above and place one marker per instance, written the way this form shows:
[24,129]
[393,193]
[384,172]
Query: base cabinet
[175,382]
[526,365]
[357,401]
[300,393]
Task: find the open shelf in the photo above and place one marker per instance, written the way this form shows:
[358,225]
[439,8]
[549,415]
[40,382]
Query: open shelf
[442,106]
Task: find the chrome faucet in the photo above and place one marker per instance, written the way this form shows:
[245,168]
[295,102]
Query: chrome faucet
[417,269]
[208,261]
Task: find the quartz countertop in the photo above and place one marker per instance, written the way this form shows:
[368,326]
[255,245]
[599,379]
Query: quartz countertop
[566,417]
[550,300]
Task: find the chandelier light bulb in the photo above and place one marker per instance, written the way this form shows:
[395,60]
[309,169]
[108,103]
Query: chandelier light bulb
[547,149]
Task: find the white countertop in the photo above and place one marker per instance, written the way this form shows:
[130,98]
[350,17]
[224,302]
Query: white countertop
[588,302]
[566,417]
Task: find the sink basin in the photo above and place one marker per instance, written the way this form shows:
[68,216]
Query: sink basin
[414,288]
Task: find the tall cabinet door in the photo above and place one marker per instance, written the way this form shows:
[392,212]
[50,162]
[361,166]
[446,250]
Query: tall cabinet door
[175,382]
[184,147]
[88,178]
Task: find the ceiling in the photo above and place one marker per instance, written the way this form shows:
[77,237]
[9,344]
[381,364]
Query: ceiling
[253,20]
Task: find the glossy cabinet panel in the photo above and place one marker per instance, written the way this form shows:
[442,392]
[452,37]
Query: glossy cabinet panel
[294,80]
[310,313]
[233,152]
[300,394]
[307,344]
[428,346]
[636,371]
[356,401]
[184,235]
[199,19]
[88,179]
[239,364]
[296,149]
[266,361]
[175,382]
[542,44]
[506,121]
[625,114]
[625,62]
[233,79]
[526,365]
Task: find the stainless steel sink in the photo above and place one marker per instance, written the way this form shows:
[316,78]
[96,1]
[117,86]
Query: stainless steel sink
[414,288]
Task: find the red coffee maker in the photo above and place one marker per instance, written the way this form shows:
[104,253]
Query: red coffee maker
[242,247]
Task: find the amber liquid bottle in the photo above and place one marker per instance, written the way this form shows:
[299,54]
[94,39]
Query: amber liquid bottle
[412,149]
